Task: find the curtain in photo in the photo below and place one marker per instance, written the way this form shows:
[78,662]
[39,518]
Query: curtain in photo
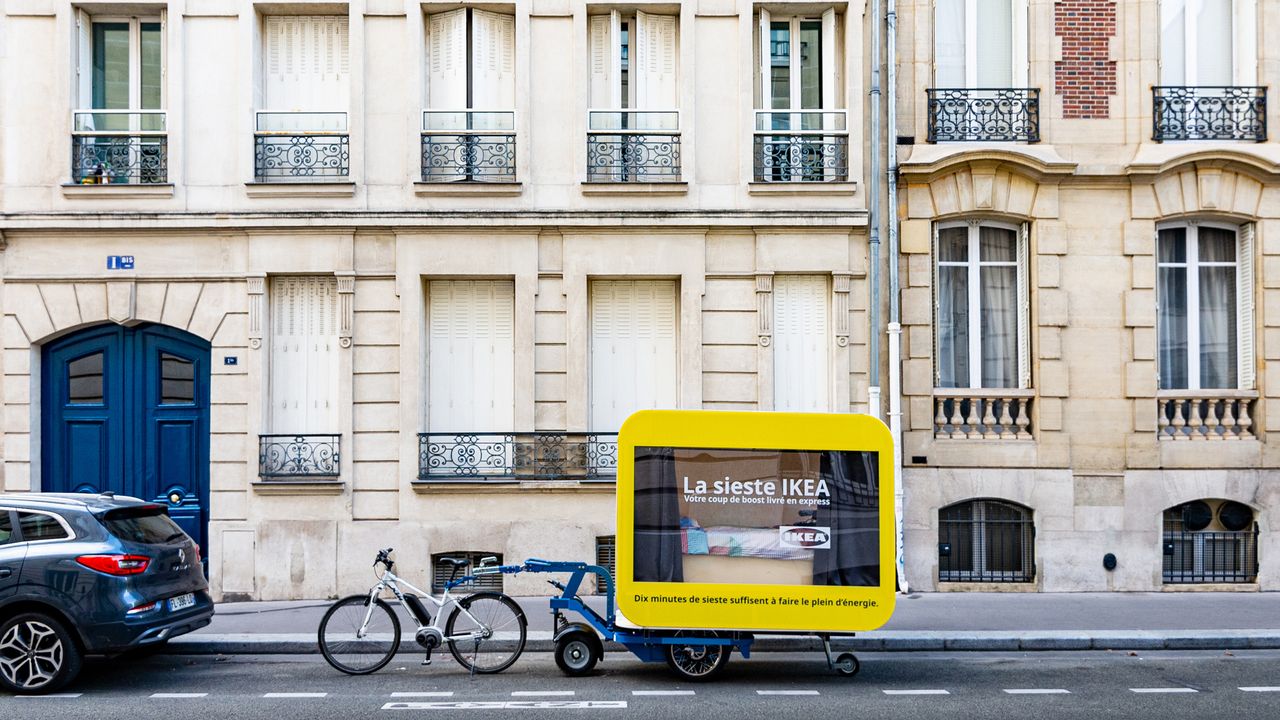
[657,517]
[853,518]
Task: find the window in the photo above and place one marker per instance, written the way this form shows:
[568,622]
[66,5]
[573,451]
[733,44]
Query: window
[35,527]
[148,525]
[980,43]
[634,61]
[471,60]
[1208,42]
[633,349]
[442,572]
[799,65]
[6,527]
[304,354]
[121,63]
[84,380]
[177,380]
[981,306]
[1210,541]
[305,71]
[1204,299]
[986,541]
[801,382]
[471,356]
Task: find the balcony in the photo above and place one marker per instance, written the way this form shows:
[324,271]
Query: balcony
[984,115]
[1209,113]
[300,147]
[119,147]
[633,146]
[283,457]
[1205,414]
[810,146]
[468,146]
[516,457]
[982,414]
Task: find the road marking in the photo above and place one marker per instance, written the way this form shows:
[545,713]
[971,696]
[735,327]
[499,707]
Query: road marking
[442,693]
[916,692]
[1037,691]
[1164,690]
[177,696]
[662,692]
[1262,688]
[509,705]
[543,693]
[55,696]
[786,692]
[295,695]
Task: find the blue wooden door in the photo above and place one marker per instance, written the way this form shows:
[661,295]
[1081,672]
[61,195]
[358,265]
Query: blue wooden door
[127,410]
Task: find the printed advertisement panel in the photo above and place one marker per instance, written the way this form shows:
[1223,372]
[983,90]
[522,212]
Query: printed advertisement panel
[755,521]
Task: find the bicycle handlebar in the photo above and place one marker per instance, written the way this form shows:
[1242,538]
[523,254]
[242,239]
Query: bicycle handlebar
[384,557]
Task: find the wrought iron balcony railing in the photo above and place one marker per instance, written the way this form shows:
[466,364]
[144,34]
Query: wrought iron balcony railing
[801,146]
[299,456]
[468,146]
[301,146]
[119,147]
[1210,557]
[1205,414]
[984,114]
[1209,113]
[989,414]
[633,146]
[514,457]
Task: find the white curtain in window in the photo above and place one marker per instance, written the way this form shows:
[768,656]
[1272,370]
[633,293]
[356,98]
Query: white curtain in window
[949,44]
[995,43]
[999,304]
[1171,321]
[1218,367]
[1211,26]
[1173,42]
[953,308]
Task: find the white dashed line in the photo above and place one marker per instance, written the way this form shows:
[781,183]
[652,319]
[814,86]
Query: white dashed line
[50,696]
[916,692]
[542,693]
[177,696]
[1262,688]
[1037,691]
[1164,690]
[508,705]
[656,693]
[442,693]
[295,695]
[786,692]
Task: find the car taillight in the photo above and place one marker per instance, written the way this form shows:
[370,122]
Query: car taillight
[197,545]
[143,608]
[115,564]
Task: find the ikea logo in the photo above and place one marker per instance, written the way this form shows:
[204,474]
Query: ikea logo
[801,536]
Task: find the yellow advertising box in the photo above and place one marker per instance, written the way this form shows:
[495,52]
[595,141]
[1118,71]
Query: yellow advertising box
[755,521]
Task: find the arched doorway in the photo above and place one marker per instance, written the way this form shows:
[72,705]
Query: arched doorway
[127,410]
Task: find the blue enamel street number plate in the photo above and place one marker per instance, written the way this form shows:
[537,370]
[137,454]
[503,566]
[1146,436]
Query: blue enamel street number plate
[119,262]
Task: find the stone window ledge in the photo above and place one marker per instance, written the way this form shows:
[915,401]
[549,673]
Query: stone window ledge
[300,189]
[299,487]
[635,188]
[802,188]
[466,189]
[512,488]
[118,191]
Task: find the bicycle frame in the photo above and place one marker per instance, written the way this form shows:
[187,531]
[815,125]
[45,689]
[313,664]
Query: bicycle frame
[391,581]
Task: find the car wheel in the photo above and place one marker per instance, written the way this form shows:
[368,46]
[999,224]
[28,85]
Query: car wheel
[37,654]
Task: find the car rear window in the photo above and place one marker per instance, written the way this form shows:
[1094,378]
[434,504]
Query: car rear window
[36,526]
[147,525]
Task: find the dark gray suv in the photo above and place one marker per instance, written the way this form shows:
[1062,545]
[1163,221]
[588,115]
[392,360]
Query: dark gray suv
[90,574]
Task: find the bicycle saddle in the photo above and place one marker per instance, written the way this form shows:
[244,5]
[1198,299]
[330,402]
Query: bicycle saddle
[456,562]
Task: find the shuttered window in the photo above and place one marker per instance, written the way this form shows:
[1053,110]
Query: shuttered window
[471,354]
[441,572]
[634,61]
[606,557]
[633,349]
[800,375]
[471,60]
[305,64]
[304,350]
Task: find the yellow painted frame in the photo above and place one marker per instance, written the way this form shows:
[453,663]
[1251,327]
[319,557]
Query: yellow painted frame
[710,605]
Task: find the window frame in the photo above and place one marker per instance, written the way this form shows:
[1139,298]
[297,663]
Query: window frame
[979,523]
[1019,64]
[135,23]
[17,526]
[1244,53]
[1243,315]
[831,56]
[974,264]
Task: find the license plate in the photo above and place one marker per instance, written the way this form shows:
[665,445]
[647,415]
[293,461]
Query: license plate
[182,602]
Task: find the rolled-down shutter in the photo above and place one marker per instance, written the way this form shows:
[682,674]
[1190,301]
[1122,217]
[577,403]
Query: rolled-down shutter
[1246,362]
[304,343]
[307,67]
[800,374]
[471,372]
[633,349]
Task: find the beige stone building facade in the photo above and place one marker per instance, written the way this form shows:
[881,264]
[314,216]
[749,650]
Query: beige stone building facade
[331,277]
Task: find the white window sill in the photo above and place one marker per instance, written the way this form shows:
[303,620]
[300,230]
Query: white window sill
[801,188]
[467,189]
[118,191]
[336,188]
[308,486]
[635,188]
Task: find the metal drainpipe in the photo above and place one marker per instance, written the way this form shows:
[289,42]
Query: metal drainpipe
[895,326]
[873,219]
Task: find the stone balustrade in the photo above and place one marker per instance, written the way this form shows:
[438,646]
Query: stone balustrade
[982,413]
[1205,414]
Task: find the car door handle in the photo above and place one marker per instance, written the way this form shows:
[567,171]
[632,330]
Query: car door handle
[5,572]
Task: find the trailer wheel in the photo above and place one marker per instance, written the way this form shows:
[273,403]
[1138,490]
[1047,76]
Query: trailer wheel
[575,653]
[847,664]
[697,662]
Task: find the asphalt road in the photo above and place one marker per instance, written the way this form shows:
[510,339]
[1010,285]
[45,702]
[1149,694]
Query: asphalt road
[918,686]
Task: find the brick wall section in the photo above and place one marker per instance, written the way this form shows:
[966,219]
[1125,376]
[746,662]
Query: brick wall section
[1085,77]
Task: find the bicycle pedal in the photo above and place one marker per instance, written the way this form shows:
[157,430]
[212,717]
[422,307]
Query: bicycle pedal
[427,660]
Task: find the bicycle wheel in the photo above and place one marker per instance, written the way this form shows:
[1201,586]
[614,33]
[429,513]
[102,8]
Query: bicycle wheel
[499,628]
[359,655]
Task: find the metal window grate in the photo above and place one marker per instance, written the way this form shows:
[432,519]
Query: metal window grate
[441,571]
[1207,556]
[986,541]
[606,557]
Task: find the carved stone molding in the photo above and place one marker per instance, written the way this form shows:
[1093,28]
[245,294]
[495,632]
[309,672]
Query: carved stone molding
[257,285]
[764,308]
[840,285]
[346,308]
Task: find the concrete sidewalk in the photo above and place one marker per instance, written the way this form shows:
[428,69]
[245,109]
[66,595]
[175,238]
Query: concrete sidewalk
[932,621]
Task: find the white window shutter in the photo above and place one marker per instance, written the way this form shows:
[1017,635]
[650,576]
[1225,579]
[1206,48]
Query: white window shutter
[656,55]
[949,44]
[447,60]
[1245,34]
[830,60]
[84,59]
[606,91]
[1155,243]
[1173,42]
[304,341]
[471,356]
[1246,362]
[937,309]
[1024,309]
[800,367]
[633,349]
[493,65]
[281,70]
[764,72]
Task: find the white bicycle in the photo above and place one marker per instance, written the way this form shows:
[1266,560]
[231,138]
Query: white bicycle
[485,632]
